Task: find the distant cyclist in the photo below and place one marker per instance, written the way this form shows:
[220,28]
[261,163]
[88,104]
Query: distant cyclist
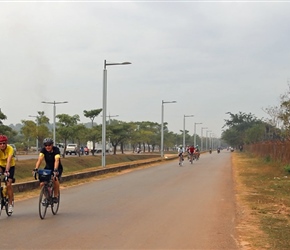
[197,152]
[51,155]
[180,155]
[191,152]
[7,164]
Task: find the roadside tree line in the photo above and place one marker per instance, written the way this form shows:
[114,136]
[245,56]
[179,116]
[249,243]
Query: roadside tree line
[145,135]
[244,129]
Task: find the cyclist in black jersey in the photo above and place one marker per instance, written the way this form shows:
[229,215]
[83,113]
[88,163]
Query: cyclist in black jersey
[51,155]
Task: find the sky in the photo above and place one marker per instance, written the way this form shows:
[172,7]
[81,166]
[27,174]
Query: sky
[211,57]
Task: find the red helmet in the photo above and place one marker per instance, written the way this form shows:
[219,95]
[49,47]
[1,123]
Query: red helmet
[3,138]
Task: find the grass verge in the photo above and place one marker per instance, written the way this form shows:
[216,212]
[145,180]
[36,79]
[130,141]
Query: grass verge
[262,190]
[77,164]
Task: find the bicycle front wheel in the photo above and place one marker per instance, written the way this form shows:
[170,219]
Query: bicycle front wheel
[55,204]
[43,202]
[6,207]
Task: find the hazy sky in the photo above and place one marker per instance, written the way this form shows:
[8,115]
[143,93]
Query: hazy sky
[210,56]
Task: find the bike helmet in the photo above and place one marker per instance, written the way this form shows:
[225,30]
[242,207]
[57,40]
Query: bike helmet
[3,138]
[47,141]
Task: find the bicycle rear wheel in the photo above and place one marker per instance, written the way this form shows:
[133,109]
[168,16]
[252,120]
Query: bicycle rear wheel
[55,205]
[43,202]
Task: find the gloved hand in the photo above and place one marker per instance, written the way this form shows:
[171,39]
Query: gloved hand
[55,172]
[34,172]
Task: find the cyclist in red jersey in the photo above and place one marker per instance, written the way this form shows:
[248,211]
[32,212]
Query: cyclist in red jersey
[191,152]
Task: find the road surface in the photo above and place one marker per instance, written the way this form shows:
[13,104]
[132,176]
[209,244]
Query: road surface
[160,207]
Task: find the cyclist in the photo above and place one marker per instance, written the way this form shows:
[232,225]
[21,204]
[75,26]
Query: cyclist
[7,164]
[197,153]
[51,155]
[180,155]
[191,152]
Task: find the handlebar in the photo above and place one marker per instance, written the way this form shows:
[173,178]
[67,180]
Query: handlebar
[35,173]
[5,178]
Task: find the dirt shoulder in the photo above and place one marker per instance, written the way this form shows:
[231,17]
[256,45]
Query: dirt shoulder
[262,203]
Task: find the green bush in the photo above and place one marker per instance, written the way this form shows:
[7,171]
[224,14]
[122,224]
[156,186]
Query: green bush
[287,168]
[267,158]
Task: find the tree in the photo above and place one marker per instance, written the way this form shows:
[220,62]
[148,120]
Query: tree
[238,124]
[29,130]
[5,129]
[117,132]
[2,117]
[92,114]
[80,134]
[36,130]
[66,127]
[149,132]
[255,134]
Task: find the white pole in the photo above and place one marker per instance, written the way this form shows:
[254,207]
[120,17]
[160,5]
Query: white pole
[162,129]
[104,116]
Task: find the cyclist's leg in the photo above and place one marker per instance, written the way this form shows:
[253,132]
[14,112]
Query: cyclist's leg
[56,187]
[9,185]
[56,183]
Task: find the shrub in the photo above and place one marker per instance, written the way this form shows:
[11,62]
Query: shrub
[287,168]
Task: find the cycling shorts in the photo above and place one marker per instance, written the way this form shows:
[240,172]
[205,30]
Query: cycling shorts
[11,171]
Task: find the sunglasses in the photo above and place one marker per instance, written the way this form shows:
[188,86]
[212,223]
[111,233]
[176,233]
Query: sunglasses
[47,145]
[3,143]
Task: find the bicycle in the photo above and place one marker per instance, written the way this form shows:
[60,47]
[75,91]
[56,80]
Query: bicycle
[4,195]
[46,196]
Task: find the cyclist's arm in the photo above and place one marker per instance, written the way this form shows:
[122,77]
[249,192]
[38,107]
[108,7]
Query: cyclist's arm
[56,161]
[39,161]
[8,163]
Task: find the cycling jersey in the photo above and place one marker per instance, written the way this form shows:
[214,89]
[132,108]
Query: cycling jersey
[4,155]
[50,157]
[191,150]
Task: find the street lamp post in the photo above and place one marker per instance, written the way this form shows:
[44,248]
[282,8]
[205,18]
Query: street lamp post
[201,147]
[184,129]
[105,108]
[206,139]
[196,123]
[54,114]
[162,130]
[37,123]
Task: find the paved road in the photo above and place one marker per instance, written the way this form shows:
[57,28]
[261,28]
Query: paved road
[161,207]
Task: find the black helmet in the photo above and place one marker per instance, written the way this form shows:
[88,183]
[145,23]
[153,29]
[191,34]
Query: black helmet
[47,141]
